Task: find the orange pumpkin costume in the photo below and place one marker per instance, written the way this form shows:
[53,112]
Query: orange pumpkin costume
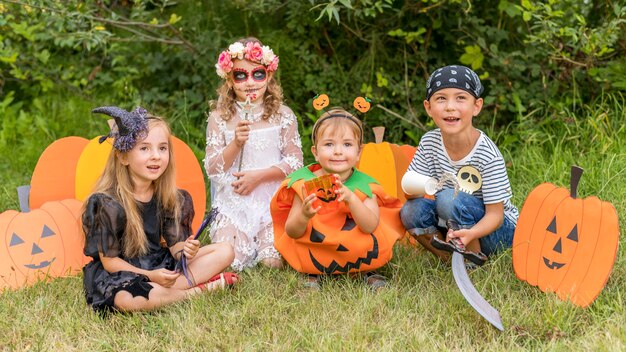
[333,243]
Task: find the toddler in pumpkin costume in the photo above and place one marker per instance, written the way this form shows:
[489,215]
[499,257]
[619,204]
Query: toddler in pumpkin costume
[353,233]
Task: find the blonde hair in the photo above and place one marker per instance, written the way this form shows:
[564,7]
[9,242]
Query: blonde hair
[225,103]
[116,182]
[335,119]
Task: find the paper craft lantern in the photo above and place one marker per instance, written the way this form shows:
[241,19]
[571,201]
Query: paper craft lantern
[71,166]
[386,163]
[45,242]
[565,244]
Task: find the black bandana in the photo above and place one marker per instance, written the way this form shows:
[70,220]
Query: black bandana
[454,76]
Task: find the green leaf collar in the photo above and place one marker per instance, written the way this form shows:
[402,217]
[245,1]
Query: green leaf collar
[357,180]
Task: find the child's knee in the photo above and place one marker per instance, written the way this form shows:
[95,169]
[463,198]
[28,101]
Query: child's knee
[125,302]
[416,211]
[461,207]
[226,251]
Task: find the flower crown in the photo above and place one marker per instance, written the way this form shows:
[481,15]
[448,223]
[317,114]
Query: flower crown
[252,51]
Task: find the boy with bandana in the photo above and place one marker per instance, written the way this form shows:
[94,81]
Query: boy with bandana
[476,215]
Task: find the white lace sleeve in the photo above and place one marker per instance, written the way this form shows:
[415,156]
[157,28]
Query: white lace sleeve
[215,145]
[290,143]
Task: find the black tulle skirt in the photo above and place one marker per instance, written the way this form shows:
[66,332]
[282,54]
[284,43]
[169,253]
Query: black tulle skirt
[101,286]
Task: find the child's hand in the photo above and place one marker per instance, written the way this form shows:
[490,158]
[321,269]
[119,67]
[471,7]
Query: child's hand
[344,193]
[164,277]
[247,181]
[242,131]
[307,205]
[191,247]
[465,235]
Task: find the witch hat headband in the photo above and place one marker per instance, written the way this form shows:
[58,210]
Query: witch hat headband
[129,126]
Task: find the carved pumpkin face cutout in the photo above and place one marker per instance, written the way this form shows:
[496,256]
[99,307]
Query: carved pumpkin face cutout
[565,244]
[45,242]
[327,261]
[32,248]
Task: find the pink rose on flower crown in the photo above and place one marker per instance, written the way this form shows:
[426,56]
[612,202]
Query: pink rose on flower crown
[254,52]
[225,62]
[273,66]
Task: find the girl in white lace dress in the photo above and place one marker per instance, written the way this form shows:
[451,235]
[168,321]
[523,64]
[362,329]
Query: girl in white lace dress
[252,144]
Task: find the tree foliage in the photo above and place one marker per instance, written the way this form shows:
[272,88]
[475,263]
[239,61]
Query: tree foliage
[536,58]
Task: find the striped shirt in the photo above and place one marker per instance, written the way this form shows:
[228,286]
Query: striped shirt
[431,158]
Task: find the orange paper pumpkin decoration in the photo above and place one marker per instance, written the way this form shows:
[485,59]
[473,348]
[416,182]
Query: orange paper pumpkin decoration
[90,165]
[45,242]
[386,163]
[53,178]
[565,244]
[75,165]
[362,104]
[320,101]
[333,243]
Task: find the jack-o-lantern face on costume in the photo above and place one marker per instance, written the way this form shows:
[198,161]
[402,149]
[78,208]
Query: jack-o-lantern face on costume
[565,244]
[321,259]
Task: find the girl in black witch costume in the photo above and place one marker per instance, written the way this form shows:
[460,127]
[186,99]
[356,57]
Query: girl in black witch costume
[134,208]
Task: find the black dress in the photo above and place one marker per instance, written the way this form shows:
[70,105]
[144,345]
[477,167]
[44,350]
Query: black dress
[104,223]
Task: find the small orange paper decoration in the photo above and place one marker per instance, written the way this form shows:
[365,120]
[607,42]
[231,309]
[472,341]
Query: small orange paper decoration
[320,101]
[362,104]
[565,244]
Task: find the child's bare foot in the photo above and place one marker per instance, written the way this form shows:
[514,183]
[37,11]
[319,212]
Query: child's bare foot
[375,281]
[313,282]
[274,263]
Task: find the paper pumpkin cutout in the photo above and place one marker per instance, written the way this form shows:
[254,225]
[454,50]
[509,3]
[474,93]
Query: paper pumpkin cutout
[320,101]
[362,104]
[333,243]
[52,169]
[90,166]
[76,165]
[386,163]
[45,242]
[565,244]
[189,177]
